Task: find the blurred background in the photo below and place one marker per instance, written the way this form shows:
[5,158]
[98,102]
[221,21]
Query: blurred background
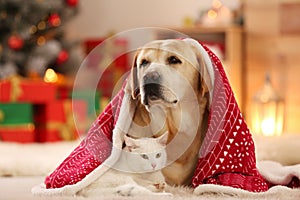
[45,42]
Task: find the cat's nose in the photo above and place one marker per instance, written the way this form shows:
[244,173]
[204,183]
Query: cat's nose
[153,165]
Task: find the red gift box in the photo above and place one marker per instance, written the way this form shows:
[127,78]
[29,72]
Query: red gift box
[18,133]
[55,121]
[24,90]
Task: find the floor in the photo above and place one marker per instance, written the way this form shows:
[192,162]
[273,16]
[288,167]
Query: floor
[9,191]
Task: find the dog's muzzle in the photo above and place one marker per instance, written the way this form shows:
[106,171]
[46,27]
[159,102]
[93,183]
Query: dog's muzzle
[154,89]
[151,87]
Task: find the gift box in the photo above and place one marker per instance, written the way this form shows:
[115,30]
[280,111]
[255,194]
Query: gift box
[63,92]
[56,121]
[25,90]
[16,122]
[18,133]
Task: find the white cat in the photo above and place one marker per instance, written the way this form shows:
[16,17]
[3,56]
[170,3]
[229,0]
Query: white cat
[137,172]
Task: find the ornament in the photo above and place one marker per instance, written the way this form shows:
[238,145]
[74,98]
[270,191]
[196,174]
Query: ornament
[54,20]
[72,3]
[62,57]
[15,42]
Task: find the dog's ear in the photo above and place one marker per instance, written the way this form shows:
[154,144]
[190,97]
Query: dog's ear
[205,82]
[133,78]
[205,68]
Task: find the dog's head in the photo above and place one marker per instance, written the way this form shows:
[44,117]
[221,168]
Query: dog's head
[169,71]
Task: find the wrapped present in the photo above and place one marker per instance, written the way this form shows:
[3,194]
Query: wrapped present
[18,133]
[55,121]
[63,91]
[25,90]
[16,122]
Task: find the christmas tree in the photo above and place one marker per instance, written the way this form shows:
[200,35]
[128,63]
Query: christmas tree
[32,37]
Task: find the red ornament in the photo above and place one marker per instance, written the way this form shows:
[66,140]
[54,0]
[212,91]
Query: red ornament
[15,42]
[72,3]
[54,20]
[62,57]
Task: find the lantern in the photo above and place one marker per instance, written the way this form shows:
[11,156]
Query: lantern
[268,111]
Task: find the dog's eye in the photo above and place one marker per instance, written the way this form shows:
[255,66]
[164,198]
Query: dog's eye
[174,60]
[144,63]
[145,156]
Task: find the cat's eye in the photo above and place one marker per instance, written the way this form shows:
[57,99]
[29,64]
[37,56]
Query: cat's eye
[158,155]
[145,156]
[174,60]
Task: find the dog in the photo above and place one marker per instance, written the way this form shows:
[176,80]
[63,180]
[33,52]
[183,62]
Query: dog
[170,90]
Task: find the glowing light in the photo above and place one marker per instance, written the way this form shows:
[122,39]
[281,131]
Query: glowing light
[267,111]
[50,76]
[212,14]
[33,29]
[217,4]
[41,25]
[268,126]
[41,40]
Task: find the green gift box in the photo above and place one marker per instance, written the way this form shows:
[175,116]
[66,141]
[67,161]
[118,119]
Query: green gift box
[15,113]
[16,122]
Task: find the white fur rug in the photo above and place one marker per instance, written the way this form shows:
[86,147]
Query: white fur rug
[23,166]
[34,159]
[15,188]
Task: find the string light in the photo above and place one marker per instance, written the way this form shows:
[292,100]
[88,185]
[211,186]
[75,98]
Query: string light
[41,25]
[41,40]
[212,14]
[33,29]
[217,4]
[50,76]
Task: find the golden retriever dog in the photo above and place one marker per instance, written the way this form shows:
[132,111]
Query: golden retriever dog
[170,88]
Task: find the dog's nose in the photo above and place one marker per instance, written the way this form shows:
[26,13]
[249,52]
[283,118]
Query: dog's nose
[151,77]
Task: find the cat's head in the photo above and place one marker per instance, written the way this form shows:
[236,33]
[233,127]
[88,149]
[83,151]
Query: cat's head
[146,154]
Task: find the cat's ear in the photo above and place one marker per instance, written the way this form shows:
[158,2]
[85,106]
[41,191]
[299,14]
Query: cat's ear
[130,143]
[163,139]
